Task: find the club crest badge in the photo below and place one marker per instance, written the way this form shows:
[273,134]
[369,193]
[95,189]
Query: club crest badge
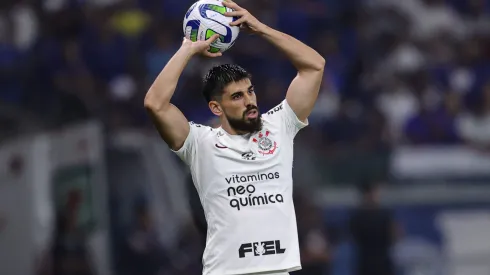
[265,144]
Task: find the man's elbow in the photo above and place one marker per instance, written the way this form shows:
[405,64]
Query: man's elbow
[149,101]
[151,106]
[153,102]
[314,67]
[319,64]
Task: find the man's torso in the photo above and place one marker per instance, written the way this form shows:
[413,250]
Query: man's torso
[245,186]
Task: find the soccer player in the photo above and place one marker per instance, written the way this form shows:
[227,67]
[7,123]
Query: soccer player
[243,169]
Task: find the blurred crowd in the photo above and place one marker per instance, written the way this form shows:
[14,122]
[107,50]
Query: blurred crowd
[363,243]
[399,72]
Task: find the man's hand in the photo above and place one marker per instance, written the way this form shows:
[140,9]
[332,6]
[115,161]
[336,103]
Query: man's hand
[201,47]
[246,21]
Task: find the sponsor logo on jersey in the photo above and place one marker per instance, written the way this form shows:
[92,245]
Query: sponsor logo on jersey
[195,124]
[260,249]
[249,156]
[243,192]
[265,144]
[275,110]
[237,179]
[220,146]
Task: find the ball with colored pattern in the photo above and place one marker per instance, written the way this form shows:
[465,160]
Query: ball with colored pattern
[206,18]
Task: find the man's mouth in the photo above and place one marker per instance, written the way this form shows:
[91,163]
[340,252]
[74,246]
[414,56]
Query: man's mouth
[252,114]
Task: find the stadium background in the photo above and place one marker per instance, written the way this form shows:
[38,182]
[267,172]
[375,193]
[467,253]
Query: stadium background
[86,185]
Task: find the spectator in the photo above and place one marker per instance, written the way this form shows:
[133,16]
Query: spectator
[11,58]
[314,244]
[70,254]
[374,231]
[146,255]
[398,104]
[474,126]
[431,127]
[346,128]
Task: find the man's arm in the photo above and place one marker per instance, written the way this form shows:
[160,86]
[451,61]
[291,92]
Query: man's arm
[303,91]
[304,88]
[168,119]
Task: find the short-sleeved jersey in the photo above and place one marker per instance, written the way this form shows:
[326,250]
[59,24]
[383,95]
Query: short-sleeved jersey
[245,186]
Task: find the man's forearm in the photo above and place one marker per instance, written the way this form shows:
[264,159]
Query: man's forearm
[302,56]
[163,88]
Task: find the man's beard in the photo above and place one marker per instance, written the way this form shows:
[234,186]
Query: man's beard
[245,125]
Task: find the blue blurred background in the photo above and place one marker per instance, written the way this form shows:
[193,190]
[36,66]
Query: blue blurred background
[86,186]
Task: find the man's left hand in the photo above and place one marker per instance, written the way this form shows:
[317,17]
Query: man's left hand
[246,21]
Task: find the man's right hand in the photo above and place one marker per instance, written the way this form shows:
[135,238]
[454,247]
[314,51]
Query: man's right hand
[201,47]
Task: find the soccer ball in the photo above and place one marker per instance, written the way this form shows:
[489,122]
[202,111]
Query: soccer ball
[206,18]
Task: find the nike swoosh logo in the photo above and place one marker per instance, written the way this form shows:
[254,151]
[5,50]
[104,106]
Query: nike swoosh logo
[219,146]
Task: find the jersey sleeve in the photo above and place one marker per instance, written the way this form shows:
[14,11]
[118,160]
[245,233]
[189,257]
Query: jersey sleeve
[285,116]
[188,151]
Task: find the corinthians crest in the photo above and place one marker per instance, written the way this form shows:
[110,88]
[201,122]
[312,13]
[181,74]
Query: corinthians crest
[265,144]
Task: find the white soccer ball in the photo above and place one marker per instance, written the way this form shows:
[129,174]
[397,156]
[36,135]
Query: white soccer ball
[205,18]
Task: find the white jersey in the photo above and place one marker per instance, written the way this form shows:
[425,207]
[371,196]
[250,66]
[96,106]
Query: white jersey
[245,186]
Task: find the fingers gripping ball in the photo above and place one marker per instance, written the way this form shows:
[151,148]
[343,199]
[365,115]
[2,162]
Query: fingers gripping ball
[206,18]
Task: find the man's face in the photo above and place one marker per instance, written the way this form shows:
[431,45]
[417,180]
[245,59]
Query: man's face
[239,105]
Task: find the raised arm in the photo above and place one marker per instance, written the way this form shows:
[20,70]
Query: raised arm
[303,91]
[171,124]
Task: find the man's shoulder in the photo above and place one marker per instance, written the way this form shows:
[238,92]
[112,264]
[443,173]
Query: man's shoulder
[276,110]
[200,127]
[202,132]
[273,116]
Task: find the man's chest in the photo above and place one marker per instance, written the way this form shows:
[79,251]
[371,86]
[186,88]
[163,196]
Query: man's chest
[261,148]
[242,166]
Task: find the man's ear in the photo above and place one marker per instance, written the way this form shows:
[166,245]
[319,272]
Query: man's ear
[215,108]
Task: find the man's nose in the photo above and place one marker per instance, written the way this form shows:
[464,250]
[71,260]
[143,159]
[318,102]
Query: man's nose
[249,101]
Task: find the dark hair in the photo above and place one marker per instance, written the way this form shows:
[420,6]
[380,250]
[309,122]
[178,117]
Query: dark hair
[219,76]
